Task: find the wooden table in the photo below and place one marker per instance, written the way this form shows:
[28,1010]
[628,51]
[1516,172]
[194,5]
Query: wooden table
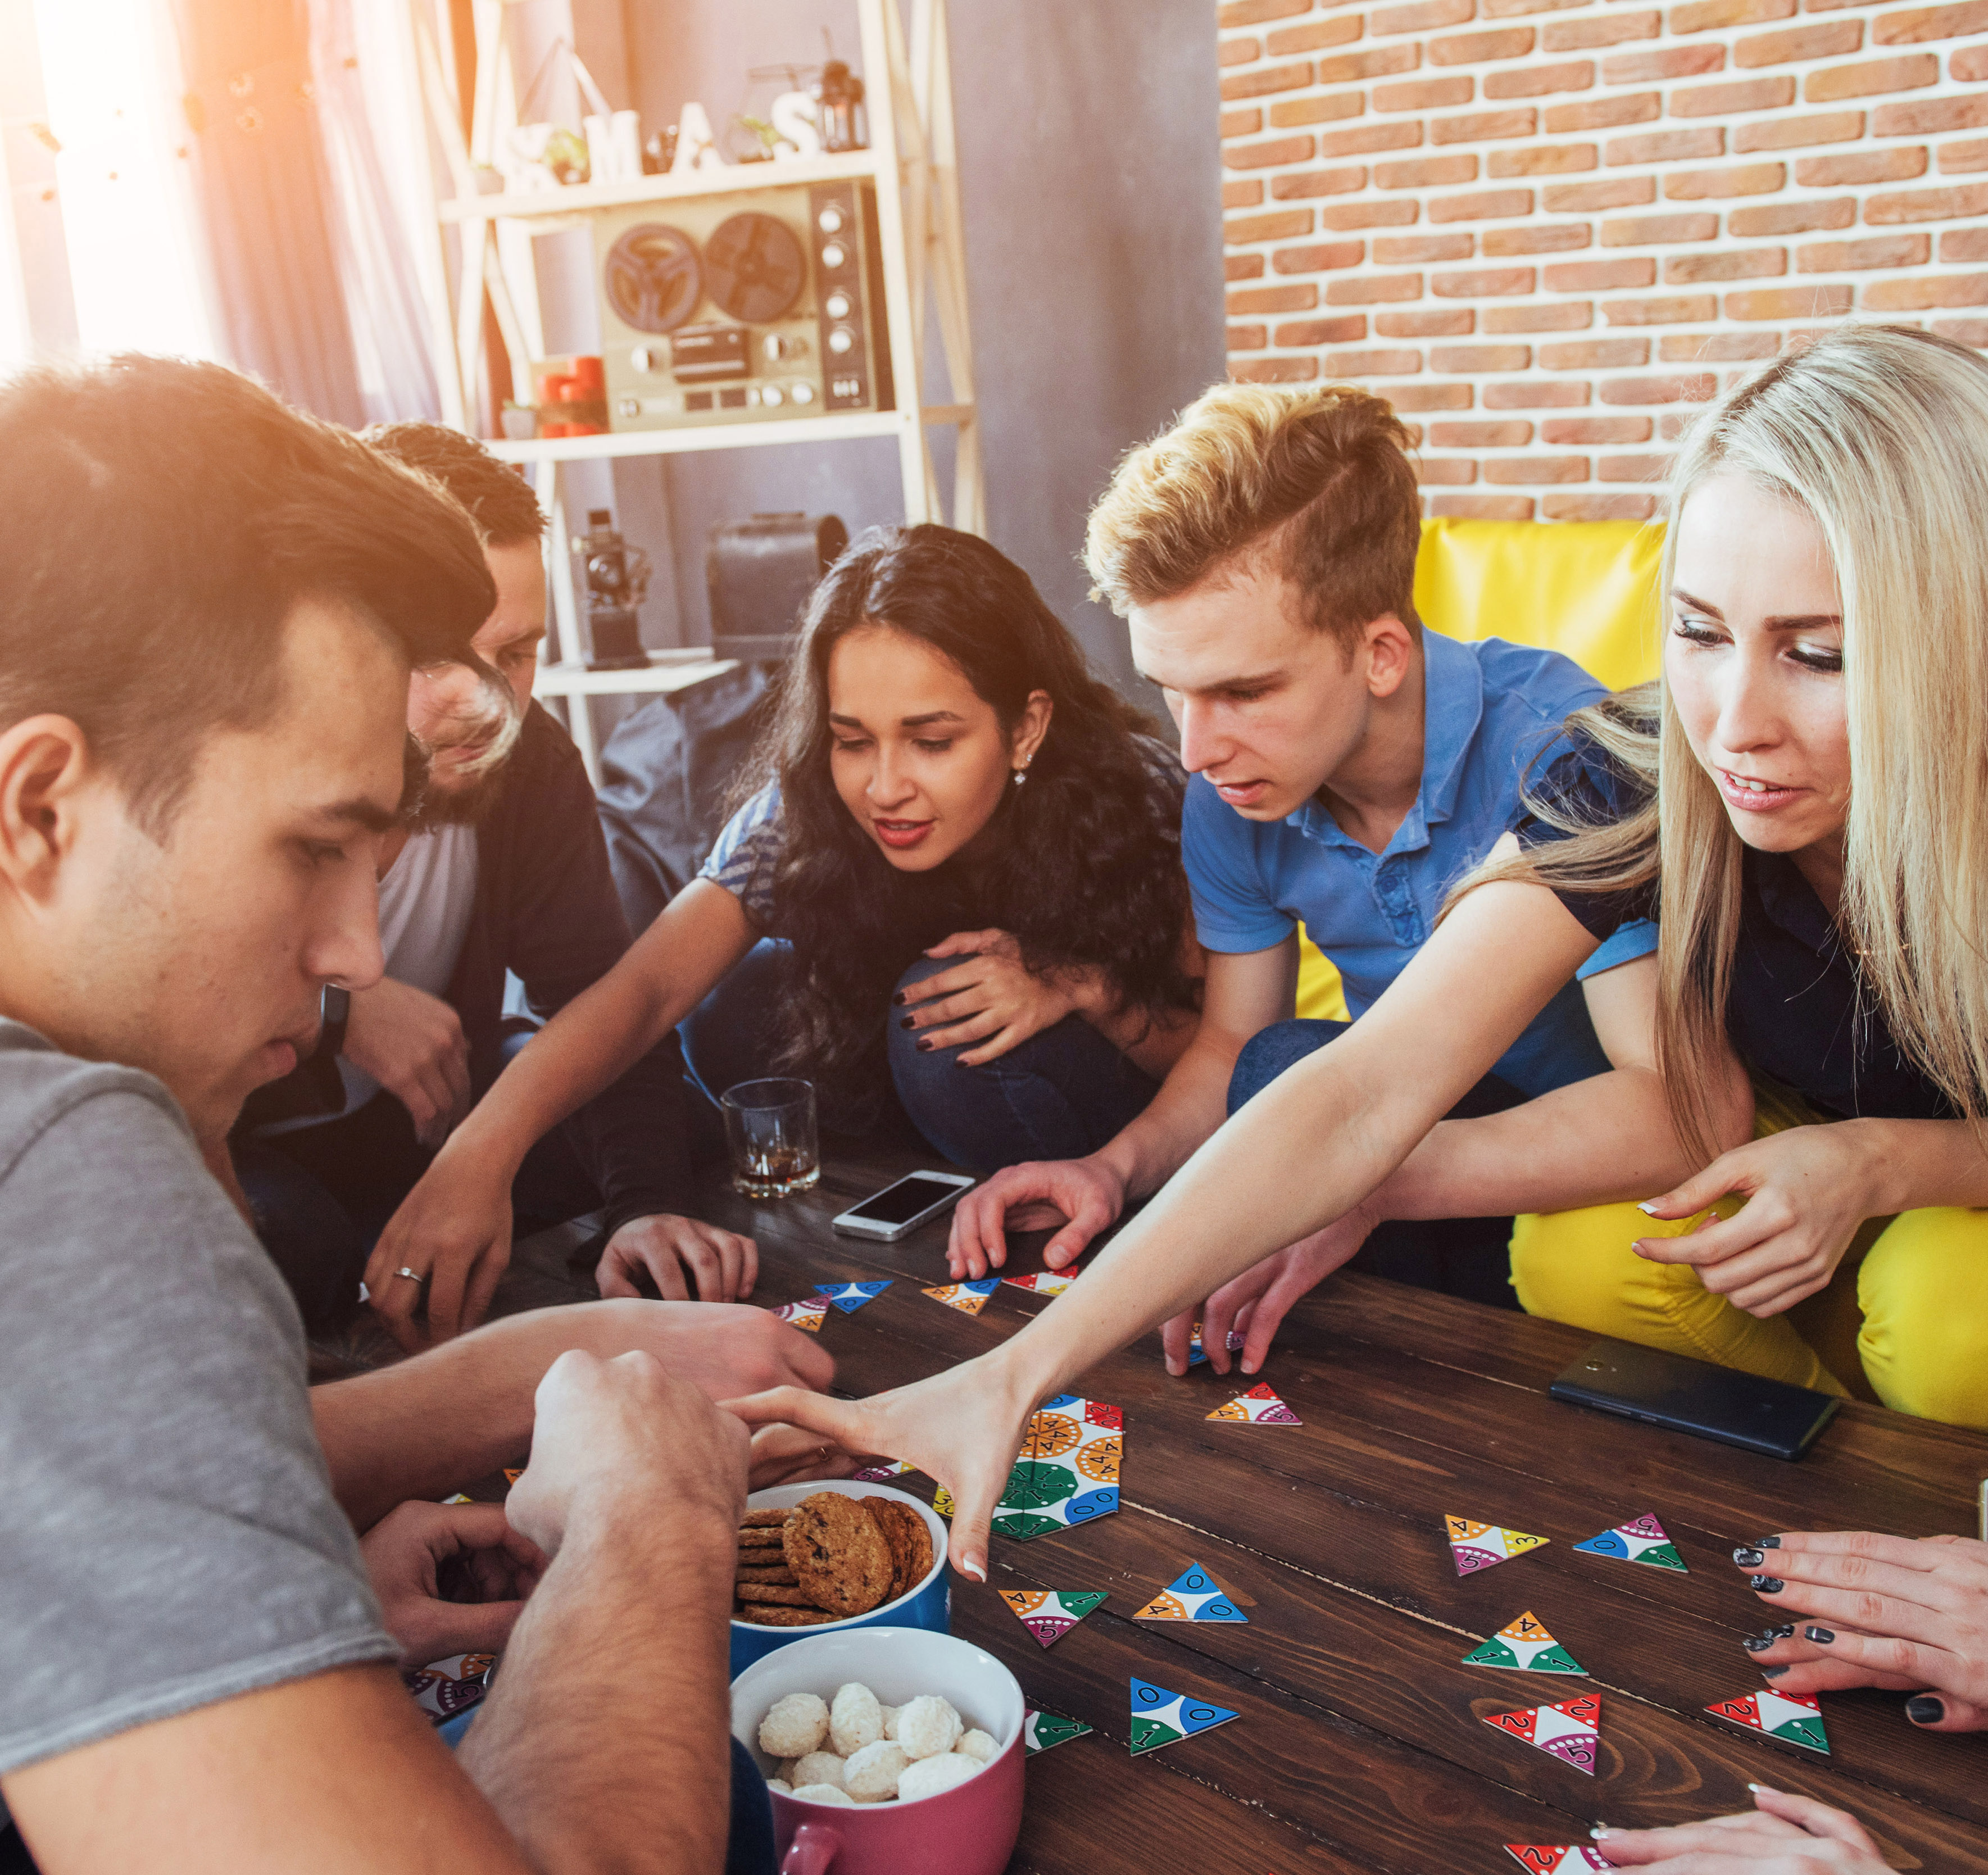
[1360,1746]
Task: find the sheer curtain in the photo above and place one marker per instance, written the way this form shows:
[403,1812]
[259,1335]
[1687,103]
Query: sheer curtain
[367,113]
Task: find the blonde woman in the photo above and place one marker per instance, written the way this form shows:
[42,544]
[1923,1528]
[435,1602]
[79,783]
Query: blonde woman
[1820,808]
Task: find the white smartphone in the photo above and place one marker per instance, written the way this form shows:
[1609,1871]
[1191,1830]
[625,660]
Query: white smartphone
[898,1210]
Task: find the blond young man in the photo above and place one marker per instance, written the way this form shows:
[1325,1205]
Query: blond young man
[1349,769]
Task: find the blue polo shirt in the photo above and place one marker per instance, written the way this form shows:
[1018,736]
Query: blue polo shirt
[1489,708]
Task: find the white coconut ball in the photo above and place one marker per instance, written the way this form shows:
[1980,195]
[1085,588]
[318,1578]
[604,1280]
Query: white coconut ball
[928,1726]
[823,1793]
[816,1768]
[890,1720]
[930,1775]
[855,1719]
[794,1726]
[872,1774]
[978,1745]
[781,1784]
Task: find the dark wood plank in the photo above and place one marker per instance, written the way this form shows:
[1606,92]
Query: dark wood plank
[1360,1745]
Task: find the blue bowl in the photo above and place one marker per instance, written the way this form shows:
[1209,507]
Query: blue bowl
[929,1606]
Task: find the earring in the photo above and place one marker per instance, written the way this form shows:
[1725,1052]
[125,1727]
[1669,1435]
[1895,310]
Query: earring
[1020,774]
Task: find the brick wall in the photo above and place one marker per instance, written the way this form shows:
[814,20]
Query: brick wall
[1546,228]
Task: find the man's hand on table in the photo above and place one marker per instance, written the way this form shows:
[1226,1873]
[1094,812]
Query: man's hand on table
[1255,1303]
[491,1570]
[686,1259]
[1783,1835]
[1908,1615]
[1082,1195]
[453,1230]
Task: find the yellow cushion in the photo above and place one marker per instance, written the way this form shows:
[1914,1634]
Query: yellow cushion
[1585,588]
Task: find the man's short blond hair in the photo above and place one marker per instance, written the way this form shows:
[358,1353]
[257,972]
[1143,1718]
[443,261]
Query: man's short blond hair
[1312,483]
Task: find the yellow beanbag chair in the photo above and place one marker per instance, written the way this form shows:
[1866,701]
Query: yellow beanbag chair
[1585,588]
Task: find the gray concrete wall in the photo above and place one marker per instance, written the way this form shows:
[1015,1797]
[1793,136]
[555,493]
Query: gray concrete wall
[1089,172]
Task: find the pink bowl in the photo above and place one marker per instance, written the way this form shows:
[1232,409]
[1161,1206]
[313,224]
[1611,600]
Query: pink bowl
[970,1829]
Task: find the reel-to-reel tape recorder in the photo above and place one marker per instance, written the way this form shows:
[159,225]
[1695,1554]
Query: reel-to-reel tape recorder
[758,305]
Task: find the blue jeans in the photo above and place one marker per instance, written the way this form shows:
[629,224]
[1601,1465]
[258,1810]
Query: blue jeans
[1062,1093]
[1457,1256]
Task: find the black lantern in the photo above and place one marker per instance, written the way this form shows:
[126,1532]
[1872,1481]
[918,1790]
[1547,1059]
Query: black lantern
[840,117]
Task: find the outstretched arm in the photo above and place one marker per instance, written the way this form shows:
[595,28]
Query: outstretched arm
[427,1427]
[1299,1155]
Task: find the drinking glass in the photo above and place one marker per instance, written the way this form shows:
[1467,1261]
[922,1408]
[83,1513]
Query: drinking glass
[769,1126]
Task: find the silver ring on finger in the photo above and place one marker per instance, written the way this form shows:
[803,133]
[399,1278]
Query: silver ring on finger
[413,1275]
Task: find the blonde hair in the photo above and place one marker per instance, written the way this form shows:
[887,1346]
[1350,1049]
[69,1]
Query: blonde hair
[1312,483]
[1881,435]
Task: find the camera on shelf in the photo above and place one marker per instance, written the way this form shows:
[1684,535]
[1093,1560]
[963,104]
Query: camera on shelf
[617,581]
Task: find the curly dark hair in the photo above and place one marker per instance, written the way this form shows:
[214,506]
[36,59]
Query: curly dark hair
[1082,866]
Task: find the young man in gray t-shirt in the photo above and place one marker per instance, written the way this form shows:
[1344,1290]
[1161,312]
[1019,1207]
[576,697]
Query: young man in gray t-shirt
[209,606]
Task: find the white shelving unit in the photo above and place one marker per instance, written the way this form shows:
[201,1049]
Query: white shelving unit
[911,159]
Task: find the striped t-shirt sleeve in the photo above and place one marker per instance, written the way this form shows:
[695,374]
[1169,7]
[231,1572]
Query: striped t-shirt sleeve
[746,853]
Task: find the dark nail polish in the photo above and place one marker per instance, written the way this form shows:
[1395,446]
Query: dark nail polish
[911,1021]
[1766,1585]
[1755,1644]
[1822,1636]
[898,999]
[960,1061]
[1766,1542]
[1923,1709]
[1750,1558]
[924,1045]
[1773,1673]
[1785,1633]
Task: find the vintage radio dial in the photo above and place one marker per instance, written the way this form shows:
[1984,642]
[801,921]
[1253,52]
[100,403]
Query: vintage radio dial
[778,347]
[836,305]
[771,393]
[830,220]
[803,393]
[841,339]
[833,255]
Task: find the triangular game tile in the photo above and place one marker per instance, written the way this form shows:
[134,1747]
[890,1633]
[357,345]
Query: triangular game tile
[1196,1354]
[1067,1472]
[881,1473]
[809,1315]
[968,1298]
[1571,1731]
[1792,1716]
[1193,1595]
[1525,1645]
[1475,1545]
[850,1297]
[1556,1858]
[1258,1407]
[942,1502]
[1049,1614]
[1042,1731]
[1642,1539]
[1160,1718]
[1043,1282]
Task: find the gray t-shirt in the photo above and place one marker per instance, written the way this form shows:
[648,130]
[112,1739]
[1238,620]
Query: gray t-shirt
[168,1538]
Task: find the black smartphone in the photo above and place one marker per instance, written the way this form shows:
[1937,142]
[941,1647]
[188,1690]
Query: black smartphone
[1695,1396]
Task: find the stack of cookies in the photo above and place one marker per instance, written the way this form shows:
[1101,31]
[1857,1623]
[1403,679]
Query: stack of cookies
[829,1558]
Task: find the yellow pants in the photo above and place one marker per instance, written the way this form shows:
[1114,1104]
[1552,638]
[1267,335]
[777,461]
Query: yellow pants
[1904,1321]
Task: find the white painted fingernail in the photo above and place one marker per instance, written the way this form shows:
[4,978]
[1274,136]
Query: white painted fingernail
[973,1569]
[1648,1207]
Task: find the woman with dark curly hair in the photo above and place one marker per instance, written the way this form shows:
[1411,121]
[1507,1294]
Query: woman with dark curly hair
[955,887]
